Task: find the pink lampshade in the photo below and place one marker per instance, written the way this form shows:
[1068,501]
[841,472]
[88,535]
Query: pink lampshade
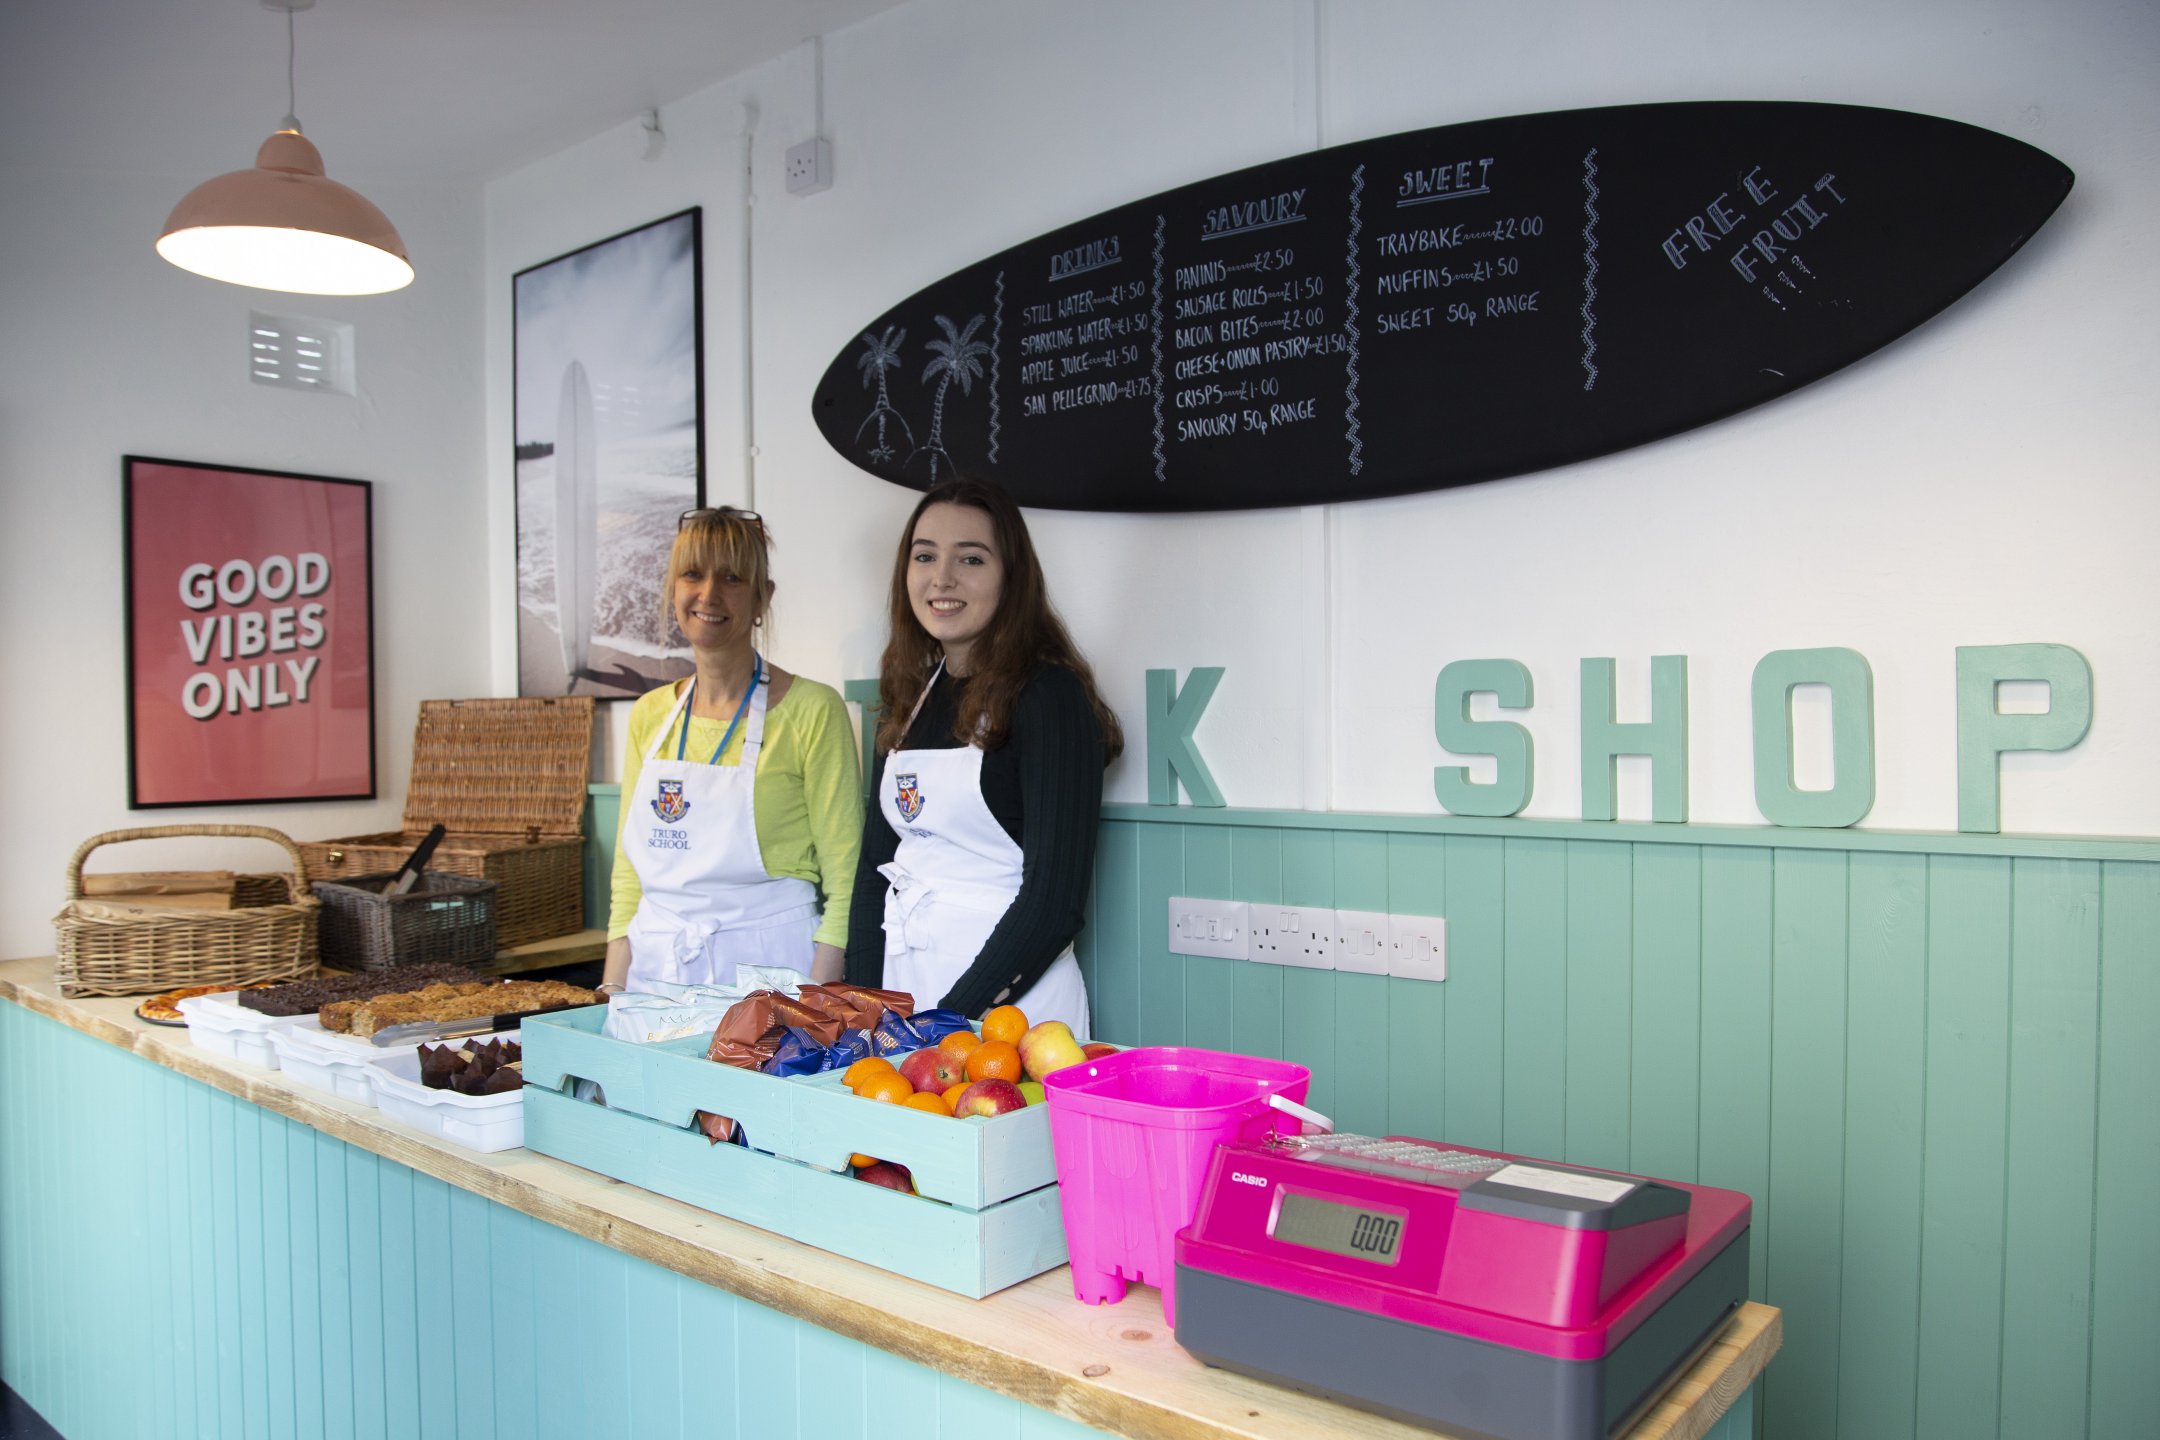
[284,225]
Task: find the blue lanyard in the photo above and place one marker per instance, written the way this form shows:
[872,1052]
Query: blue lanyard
[757,676]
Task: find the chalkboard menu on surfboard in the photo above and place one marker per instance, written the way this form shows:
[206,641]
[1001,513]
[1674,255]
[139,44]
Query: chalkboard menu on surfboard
[1435,308]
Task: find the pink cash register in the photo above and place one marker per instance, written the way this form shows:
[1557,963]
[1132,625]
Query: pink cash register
[1484,1293]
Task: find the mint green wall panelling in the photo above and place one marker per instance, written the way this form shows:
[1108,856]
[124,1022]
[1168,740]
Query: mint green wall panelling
[333,1231]
[1600,919]
[1256,991]
[653,1358]
[1534,1055]
[1309,996]
[303,1277]
[2047,1235]
[2126,1243]
[603,816]
[1160,999]
[574,1349]
[765,1359]
[602,1313]
[397,1245]
[513,1380]
[1885,1056]
[1665,1049]
[1807,1135]
[1114,994]
[1358,1051]
[1207,980]
[1476,989]
[277,1242]
[904,1392]
[158,1216]
[202,1214]
[837,1400]
[250,1180]
[1417,884]
[473,1340]
[434,1339]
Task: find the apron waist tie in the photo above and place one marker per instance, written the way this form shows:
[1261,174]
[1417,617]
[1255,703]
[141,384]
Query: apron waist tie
[904,920]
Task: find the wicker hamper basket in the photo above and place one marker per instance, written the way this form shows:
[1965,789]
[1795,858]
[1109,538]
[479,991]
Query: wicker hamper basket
[506,781]
[442,920]
[109,948]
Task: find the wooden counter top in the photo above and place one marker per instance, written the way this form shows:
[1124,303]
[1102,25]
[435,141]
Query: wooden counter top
[1114,1367]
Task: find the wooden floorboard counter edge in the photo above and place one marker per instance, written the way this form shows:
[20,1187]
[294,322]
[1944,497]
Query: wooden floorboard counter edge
[1115,1368]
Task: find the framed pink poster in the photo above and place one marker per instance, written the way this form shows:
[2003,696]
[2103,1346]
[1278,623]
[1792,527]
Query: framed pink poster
[250,635]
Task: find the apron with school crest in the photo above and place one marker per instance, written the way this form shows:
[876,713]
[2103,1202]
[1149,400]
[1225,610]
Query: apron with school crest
[708,904]
[952,878]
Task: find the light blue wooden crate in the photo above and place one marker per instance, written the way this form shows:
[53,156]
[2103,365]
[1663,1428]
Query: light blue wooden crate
[973,1252]
[973,1163]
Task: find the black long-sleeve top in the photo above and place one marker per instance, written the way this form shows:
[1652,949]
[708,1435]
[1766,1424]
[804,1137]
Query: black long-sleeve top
[1044,786]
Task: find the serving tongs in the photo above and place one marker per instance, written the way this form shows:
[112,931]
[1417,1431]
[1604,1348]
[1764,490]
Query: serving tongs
[439,1030]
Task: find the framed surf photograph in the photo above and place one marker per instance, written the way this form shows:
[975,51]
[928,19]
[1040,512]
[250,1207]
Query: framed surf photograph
[609,414]
[250,635]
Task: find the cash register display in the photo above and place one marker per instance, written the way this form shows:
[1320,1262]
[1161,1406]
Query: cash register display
[1339,1229]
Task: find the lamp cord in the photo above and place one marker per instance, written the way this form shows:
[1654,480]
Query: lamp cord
[292,104]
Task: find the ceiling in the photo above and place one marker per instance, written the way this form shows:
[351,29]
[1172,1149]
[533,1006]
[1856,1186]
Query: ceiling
[447,92]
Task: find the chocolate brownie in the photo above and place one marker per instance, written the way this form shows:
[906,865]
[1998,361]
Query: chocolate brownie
[305,997]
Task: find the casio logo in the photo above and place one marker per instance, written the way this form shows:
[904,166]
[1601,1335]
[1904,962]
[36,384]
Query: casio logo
[1243,1179]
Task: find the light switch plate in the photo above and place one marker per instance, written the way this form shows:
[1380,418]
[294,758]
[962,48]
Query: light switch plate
[1418,947]
[1300,935]
[1217,928]
[1363,941]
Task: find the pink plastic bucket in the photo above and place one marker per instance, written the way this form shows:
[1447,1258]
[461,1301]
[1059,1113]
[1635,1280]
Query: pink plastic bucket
[1133,1133]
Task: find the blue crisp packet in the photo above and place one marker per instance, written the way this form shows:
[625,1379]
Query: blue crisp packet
[935,1025]
[893,1037]
[797,1054]
[852,1045]
[897,1034]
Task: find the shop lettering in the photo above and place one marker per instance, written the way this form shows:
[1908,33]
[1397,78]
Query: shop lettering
[244,634]
[1984,733]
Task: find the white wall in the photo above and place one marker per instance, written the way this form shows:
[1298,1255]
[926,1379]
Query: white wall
[1985,480]
[110,351]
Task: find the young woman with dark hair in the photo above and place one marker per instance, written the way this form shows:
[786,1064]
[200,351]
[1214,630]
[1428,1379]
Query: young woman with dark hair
[980,838]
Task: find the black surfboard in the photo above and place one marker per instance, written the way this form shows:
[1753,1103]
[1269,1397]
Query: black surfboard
[1435,308]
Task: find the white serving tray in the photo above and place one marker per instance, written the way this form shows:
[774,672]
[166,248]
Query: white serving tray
[325,1059]
[220,1023]
[478,1122]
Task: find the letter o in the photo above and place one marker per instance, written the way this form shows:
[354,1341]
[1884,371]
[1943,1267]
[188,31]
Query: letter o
[282,586]
[236,582]
[200,709]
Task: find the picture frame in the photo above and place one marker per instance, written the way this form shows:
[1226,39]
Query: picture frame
[608,419]
[249,603]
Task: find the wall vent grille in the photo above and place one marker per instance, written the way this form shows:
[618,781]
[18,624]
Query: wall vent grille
[298,353]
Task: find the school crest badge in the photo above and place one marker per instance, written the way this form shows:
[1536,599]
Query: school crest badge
[669,804]
[910,797]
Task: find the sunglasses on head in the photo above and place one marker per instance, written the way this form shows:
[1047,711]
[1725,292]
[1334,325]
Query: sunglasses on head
[726,512]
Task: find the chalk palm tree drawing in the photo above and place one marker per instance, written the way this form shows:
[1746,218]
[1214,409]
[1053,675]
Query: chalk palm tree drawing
[880,354]
[958,356]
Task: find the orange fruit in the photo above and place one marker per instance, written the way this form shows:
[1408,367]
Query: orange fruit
[994,1060]
[861,1162]
[863,1069]
[925,1100]
[960,1042]
[953,1094]
[1007,1023]
[887,1085]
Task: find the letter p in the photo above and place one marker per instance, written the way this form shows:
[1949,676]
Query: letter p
[1984,733]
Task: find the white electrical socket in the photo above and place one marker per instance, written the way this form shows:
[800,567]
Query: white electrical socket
[809,167]
[1417,947]
[1218,928]
[1301,935]
[1363,941]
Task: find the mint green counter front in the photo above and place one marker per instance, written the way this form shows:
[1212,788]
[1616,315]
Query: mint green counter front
[190,1246]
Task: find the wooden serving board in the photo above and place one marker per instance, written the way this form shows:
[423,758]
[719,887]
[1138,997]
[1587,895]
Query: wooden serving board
[1435,308]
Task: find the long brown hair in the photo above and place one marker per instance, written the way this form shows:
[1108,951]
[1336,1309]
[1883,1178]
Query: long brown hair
[1024,634]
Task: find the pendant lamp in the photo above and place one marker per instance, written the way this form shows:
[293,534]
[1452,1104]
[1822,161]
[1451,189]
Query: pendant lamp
[285,225]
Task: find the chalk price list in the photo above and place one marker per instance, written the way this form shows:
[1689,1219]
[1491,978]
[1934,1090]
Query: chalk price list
[1234,324]
[1081,348]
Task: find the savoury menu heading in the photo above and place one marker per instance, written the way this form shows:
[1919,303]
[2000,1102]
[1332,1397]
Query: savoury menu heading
[1435,308]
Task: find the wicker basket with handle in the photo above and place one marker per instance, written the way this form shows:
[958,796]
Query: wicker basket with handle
[108,948]
[506,780]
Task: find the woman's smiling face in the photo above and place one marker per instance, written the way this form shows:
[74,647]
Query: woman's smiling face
[955,578]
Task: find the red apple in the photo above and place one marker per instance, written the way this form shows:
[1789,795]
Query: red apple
[935,1070]
[990,1097]
[889,1175]
[1096,1049]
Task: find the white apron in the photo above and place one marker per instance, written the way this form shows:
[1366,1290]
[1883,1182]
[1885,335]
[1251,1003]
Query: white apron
[708,905]
[953,877]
